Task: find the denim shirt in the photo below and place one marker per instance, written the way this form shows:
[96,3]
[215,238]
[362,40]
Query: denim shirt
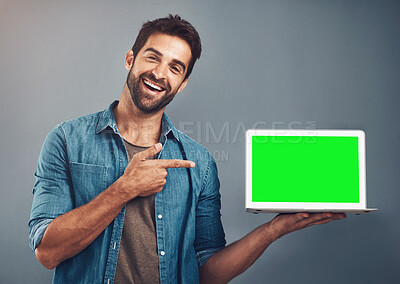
[82,157]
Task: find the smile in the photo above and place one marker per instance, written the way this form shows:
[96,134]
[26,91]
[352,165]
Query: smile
[152,86]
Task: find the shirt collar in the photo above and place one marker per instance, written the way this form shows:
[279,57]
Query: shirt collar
[107,119]
[167,127]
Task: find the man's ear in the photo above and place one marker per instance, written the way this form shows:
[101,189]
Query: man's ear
[182,86]
[129,59]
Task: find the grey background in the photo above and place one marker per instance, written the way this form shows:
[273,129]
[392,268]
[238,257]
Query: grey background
[323,64]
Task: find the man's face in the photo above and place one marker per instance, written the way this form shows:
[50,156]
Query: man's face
[158,72]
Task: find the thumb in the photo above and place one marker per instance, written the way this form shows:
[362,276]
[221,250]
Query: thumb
[150,152]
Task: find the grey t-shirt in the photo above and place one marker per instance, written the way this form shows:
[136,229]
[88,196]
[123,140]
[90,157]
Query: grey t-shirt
[137,257]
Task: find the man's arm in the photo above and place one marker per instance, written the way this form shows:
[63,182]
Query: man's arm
[234,259]
[70,233]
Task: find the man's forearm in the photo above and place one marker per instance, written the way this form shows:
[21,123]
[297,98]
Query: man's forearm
[72,232]
[234,259]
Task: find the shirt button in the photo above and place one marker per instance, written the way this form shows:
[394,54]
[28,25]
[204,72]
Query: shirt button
[162,252]
[159,216]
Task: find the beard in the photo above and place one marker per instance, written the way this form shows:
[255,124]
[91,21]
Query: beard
[145,102]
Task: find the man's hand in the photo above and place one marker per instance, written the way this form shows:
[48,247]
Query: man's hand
[144,176]
[284,224]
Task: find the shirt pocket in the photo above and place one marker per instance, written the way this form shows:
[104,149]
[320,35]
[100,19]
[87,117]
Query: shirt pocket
[88,181]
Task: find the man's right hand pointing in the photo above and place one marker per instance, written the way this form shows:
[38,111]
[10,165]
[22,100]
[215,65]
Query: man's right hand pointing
[144,176]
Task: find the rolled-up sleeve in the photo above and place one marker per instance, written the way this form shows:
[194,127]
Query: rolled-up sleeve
[52,191]
[210,236]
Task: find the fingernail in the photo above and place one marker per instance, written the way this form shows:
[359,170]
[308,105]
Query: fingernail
[192,164]
[158,146]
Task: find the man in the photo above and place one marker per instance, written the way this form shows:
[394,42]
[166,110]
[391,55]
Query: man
[122,196]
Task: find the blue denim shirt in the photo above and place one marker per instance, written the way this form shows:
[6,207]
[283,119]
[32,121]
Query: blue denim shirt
[82,157]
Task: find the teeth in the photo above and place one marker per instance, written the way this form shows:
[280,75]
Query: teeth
[152,85]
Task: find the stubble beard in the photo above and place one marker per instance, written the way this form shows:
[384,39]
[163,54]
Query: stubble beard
[139,98]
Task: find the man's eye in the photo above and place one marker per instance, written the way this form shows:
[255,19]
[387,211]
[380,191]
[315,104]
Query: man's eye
[176,69]
[153,58]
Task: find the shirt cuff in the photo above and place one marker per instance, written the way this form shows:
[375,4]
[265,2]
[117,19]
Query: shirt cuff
[36,231]
[204,255]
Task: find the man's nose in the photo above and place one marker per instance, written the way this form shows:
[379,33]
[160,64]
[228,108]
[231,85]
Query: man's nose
[159,71]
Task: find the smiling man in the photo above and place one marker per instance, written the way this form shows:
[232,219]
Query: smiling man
[122,196]
[153,85]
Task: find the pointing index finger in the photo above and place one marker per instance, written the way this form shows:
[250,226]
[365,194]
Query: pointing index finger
[176,163]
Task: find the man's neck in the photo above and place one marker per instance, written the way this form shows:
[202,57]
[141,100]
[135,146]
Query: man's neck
[136,127]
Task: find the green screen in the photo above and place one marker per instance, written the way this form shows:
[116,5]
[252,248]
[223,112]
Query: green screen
[305,169]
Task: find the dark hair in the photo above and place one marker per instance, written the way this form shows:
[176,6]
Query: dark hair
[175,26]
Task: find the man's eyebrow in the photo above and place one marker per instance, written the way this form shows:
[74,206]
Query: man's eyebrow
[154,50]
[176,61]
